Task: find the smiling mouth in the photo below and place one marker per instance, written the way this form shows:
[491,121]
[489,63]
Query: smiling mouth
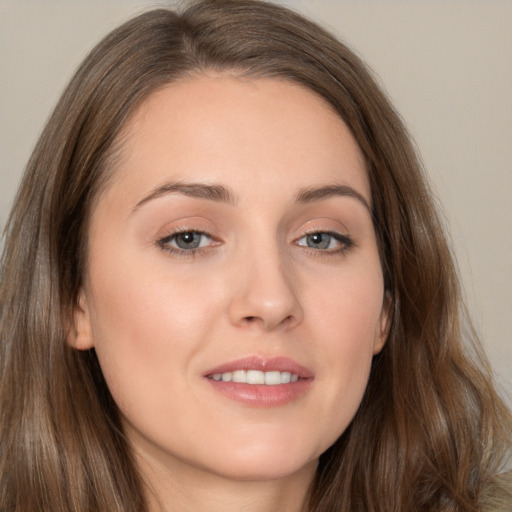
[256,377]
[261,382]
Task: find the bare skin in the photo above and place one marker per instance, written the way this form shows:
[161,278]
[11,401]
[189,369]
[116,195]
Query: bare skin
[235,236]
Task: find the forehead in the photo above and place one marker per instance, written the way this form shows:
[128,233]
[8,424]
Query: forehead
[242,132]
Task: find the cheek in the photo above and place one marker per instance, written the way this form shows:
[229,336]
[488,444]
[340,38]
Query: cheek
[347,305]
[137,300]
[348,320]
[145,324]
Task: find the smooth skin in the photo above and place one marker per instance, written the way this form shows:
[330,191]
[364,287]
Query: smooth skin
[237,223]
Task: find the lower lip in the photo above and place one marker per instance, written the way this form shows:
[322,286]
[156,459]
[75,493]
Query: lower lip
[261,395]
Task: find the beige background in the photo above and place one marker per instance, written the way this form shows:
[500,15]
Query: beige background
[446,64]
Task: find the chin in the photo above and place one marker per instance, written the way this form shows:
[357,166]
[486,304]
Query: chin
[263,463]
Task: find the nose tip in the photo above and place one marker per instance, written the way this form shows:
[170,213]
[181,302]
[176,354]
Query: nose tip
[266,298]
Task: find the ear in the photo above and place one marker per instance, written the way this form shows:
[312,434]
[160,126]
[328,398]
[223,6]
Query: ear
[384,323]
[79,335]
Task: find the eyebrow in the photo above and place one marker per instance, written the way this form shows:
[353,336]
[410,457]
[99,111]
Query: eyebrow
[217,193]
[312,194]
[220,193]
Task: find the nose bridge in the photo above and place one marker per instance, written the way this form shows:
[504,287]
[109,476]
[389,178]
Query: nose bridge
[265,292]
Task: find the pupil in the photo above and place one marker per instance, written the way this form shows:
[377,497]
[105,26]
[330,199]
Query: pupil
[319,240]
[188,240]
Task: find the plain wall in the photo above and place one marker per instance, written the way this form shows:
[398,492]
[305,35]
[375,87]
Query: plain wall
[446,64]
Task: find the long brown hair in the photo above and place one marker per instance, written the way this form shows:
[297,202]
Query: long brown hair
[431,432]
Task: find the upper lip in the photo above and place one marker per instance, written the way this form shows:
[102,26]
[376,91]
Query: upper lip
[264,364]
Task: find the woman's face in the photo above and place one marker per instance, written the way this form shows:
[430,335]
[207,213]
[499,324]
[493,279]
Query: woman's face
[234,293]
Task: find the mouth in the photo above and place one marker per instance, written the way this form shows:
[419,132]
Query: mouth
[261,382]
[256,377]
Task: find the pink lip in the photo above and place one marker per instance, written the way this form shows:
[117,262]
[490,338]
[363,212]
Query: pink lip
[261,395]
[281,364]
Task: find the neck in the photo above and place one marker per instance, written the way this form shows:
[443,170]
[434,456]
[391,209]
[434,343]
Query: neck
[182,488]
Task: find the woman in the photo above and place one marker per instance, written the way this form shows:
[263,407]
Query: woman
[224,286]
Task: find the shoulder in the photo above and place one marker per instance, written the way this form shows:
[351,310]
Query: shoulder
[497,494]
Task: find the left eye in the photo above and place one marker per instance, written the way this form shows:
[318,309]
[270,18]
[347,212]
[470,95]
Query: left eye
[188,240]
[323,241]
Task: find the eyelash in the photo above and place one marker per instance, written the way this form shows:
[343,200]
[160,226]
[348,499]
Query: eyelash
[347,243]
[164,243]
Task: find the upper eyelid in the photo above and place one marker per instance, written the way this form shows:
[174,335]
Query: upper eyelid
[186,229]
[328,231]
[322,223]
[341,237]
[170,232]
[181,230]
[314,225]
[177,232]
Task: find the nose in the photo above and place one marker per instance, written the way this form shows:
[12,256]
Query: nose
[264,293]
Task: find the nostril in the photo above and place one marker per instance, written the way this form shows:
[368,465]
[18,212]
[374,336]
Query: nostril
[288,320]
[252,319]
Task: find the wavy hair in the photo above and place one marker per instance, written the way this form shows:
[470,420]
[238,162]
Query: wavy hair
[431,433]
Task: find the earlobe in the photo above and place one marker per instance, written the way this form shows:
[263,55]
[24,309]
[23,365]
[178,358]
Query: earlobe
[79,335]
[384,324]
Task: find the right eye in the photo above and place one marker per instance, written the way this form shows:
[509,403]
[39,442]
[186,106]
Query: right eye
[185,241]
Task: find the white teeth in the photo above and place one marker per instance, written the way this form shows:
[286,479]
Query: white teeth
[239,376]
[286,377]
[272,378]
[256,377]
